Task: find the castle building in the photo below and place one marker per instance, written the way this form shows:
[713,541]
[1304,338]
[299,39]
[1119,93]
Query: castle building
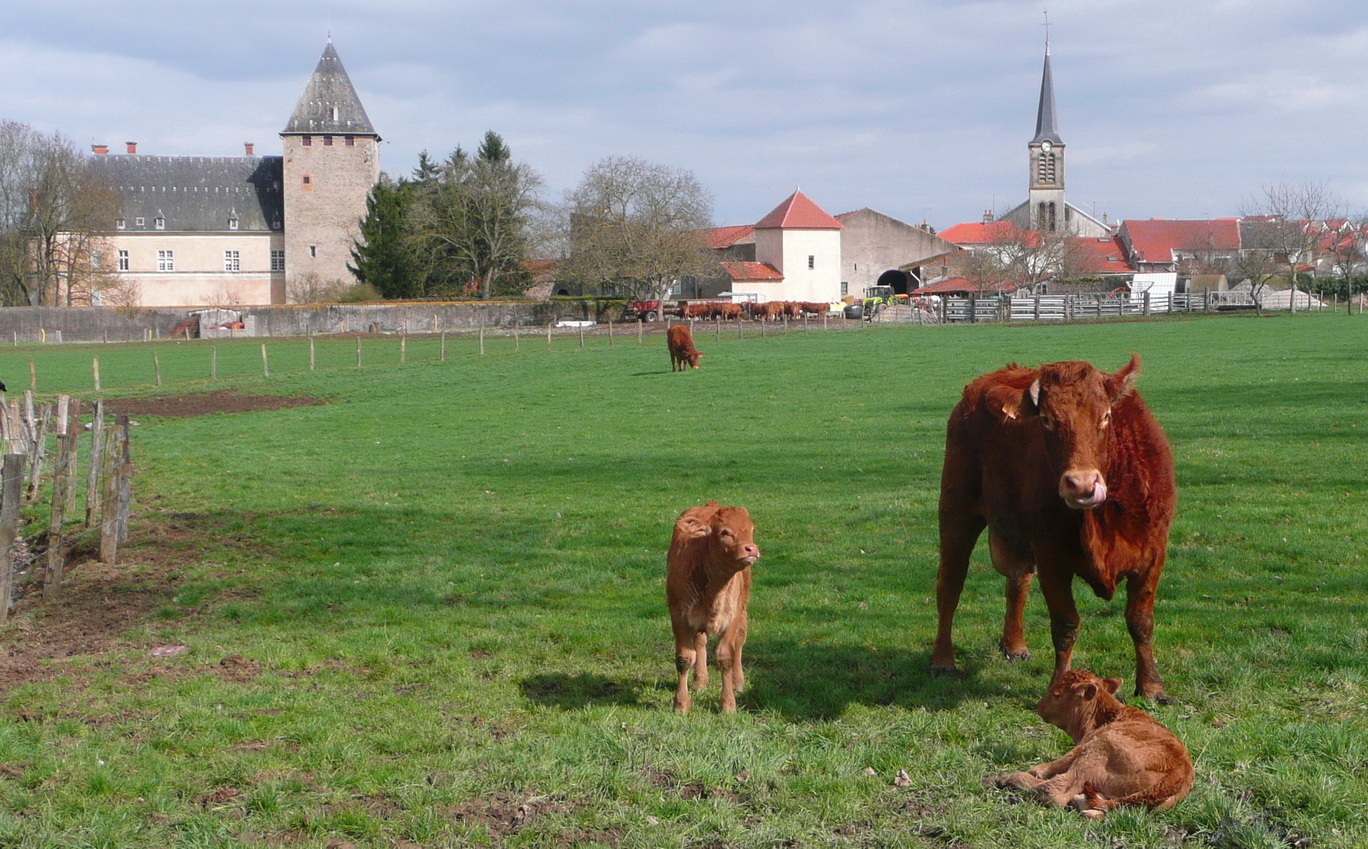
[224,230]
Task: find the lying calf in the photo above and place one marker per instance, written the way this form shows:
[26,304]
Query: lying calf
[1122,755]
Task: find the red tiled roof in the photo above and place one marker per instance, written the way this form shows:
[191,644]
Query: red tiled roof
[751,271]
[724,237]
[798,212]
[1156,240]
[1104,255]
[978,233]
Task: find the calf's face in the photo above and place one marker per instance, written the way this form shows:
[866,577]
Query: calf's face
[1074,403]
[730,535]
[1071,695]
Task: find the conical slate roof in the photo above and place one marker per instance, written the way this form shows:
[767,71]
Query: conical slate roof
[329,104]
[798,212]
[1045,114]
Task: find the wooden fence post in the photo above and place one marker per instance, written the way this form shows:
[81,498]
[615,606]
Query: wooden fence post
[548,334]
[639,326]
[56,553]
[96,463]
[441,349]
[265,362]
[74,431]
[33,377]
[581,335]
[403,348]
[482,333]
[358,352]
[717,329]
[311,353]
[610,333]
[11,493]
[156,366]
[95,369]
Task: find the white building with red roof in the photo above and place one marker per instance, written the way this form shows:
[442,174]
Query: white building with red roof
[791,254]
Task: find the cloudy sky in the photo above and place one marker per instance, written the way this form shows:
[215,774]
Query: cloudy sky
[917,108]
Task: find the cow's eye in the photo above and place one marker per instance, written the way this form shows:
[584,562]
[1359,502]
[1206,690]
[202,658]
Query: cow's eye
[724,532]
[1106,418]
[1047,420]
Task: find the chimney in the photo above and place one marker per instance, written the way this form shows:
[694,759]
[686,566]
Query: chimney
[99,149]
[987,216]
[247,146]
[132,147]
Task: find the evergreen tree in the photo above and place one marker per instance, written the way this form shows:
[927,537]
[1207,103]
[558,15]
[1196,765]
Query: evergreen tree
[380,255]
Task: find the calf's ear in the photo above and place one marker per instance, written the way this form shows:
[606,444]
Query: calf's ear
[1005,402]
[692,528]
[1112,685]
[1087,692]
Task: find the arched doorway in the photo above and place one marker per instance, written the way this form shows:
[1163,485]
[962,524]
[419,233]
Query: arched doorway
[895,278]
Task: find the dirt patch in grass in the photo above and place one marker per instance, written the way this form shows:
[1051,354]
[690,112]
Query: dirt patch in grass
[96,606]
[205,403]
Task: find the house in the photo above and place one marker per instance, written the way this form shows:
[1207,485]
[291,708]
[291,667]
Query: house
[249,229]
[791,254]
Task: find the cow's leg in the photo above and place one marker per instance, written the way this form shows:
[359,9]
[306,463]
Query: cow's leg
[700,679]
[960,526]
[1058,592]
[1017,570]
[1140,591]
[1053,768]
[739,626]
[727,662]
[684,661]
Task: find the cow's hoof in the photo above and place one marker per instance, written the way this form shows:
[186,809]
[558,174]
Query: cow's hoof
[1156,695]
[938,671]
[1093,813]
[1024,654]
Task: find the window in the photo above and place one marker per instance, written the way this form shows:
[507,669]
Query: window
[313,250]
[139,221]
[231,261]
[123,260]
[845,288]
[277,260]
[812,261]
[308,141]
[166,261]
[1045,168]
[233,223]
[307,179]
[159,222]
[327,141]
[351,141]
[120,224]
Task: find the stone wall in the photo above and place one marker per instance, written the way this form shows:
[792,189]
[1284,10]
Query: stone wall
[117,324]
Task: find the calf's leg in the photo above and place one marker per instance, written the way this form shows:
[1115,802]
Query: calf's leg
[700,679]
[727,657]
[685,655]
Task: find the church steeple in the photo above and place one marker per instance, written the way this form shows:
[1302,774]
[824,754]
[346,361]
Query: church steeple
[1046,127]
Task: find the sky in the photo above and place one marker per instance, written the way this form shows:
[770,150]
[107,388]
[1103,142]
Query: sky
[920,109]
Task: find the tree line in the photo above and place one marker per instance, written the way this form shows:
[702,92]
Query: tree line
[470,226]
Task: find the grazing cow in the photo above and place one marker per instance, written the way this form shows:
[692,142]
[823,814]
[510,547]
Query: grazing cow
[1121,755]
[729,311]
[1072,475]
[679,339]
[813,308]
[793,309]
[761,312]
[707,587]
[697,310]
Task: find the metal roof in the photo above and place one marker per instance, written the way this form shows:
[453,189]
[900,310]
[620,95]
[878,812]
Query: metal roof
[329,104]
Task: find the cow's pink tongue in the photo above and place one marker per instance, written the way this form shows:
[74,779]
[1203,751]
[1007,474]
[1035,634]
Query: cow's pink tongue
[1098,495]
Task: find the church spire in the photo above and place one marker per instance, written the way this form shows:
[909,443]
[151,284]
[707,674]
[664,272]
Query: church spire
[329,104]
[1046,129]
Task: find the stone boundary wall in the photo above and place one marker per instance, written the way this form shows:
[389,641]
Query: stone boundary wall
[120,324]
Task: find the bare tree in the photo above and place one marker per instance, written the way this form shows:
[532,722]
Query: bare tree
[637,227]
[1022,259]
[1281,234]
[1345,244]
[54,212]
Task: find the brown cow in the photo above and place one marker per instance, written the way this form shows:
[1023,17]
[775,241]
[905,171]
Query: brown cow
[707,587]
[679,339]
[729,311]
[1072,475]
[813,307]
[701,310]
[762,312]
[1121,755]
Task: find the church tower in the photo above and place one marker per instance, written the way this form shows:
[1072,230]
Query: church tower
[1048,211]
[332,159]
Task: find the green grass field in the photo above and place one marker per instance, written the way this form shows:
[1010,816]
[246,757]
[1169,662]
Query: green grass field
[430,612]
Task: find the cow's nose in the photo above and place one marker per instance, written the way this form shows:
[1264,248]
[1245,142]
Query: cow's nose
[751,551]
[1081,482]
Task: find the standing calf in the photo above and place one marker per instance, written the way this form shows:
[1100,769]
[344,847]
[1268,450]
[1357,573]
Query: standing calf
[679,339]
[707,587]
[1121,756]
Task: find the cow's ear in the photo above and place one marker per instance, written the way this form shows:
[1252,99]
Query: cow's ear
[1034,393]
[1004,401]
[692,528]
[1112,685]
[1123,381]
[1087,692]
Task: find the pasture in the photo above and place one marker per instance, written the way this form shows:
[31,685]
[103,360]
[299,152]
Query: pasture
[430,611]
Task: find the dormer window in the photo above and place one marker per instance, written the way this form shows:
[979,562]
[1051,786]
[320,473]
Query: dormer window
[233,222]
[120,224]
[140,221]
[159,222]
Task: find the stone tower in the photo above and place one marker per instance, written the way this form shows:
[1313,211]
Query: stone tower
[332,159]
[1048,211]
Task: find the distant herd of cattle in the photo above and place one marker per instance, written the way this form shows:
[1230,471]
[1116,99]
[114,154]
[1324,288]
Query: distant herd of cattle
[1072,476]
[767,311]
